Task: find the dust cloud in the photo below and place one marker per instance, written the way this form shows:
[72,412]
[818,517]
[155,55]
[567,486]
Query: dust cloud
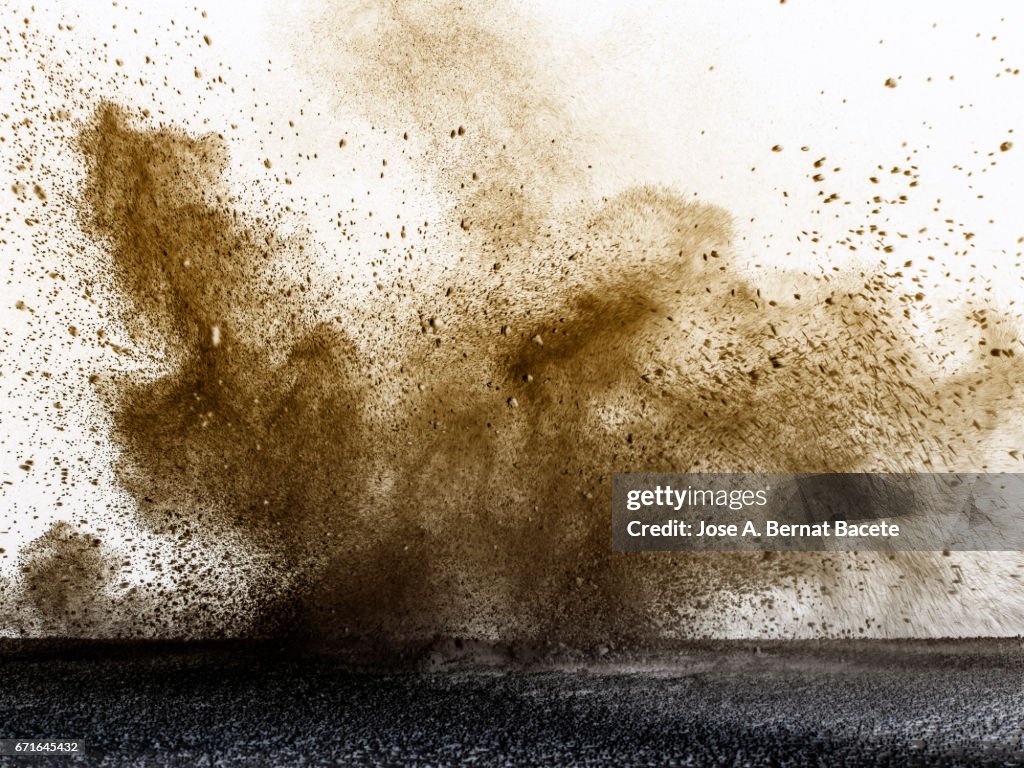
[434,458]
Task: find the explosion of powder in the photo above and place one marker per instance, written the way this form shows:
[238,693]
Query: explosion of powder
[436,458]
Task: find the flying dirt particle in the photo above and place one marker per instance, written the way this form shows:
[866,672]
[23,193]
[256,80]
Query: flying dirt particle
[1006,146]
[890,83]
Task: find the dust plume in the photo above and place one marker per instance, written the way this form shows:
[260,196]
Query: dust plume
[435,458]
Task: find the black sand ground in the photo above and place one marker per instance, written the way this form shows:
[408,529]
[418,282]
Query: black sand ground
[838,703]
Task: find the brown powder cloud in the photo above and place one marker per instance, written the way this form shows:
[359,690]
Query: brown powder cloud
[453,476]
[640,349]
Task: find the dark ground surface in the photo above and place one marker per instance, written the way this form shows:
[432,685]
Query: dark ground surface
[797,703]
